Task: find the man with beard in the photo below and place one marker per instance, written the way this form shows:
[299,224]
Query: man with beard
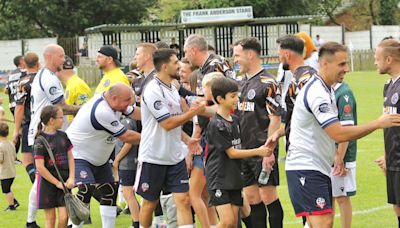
[314,130]
[387,60]
[259,114]
[107,61]
[161,155]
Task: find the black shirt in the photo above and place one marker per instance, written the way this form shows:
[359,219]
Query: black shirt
[299,79]
[12,85]
[215,63]
[258,97]
[391,105]
[221,171]
[23,95]
[60,145]
[141,81]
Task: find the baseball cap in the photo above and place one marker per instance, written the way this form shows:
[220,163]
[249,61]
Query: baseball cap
[68,63]
[110,51]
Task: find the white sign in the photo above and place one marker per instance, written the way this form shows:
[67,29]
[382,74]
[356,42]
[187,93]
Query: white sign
[217,15]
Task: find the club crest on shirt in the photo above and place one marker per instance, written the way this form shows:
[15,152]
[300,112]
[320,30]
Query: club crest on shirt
[324,108]
[157,105]
[114,123]
[320,202]
[395,98]
[53,90]
[110,140]
[106,83]
[251,94]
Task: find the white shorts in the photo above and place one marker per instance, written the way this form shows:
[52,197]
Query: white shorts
[345,186]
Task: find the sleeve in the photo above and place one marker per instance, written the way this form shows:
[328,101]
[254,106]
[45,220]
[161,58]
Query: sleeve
[346,105]
[322,108]
[53,89]
[219,136]
[273,99]
[39,150]
[109,122]
[68,143]
[22,92]
[156,103]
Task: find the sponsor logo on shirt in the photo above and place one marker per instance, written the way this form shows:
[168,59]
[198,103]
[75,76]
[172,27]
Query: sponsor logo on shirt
[246,106]
[390,110]
[302,180]
[347,108]
[395,98]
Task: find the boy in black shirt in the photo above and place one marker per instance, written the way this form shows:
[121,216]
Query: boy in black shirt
[223,165]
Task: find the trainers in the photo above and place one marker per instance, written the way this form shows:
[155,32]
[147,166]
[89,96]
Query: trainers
[32,225]
[119,210]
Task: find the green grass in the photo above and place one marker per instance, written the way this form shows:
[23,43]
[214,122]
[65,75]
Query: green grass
[371,185]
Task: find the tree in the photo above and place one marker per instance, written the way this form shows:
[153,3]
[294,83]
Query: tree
[388,11]
[65,18]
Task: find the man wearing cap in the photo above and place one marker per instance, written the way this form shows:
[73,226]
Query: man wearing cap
[77,92]
[107,61]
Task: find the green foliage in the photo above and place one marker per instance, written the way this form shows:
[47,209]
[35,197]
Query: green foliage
[67,18]
[387,14]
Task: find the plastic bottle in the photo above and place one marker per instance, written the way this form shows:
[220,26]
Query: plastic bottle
[264,176]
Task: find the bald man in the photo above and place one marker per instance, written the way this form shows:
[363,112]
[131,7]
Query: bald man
[93,134]
[47,88]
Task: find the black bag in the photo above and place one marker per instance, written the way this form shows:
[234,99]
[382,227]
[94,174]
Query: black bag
[78,211]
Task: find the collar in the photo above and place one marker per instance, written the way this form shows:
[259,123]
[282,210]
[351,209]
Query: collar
[393,80]
[151,72]
[205,61]
[259,72]
[163,84]
[70,79]
[336,87]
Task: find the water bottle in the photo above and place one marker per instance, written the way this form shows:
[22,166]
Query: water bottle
[264,176]
[190,99]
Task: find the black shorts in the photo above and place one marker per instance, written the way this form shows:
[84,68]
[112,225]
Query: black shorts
[6,185]
[24,139]
[127,177]
[310,192]
[151,179]
[86,173]
[220,197]
[48,195]
[392,187]
[251,169]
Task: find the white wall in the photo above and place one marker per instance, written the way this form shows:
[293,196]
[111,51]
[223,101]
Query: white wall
[380,32]
[9,49]
[327,33]
[360,40]
[38,45]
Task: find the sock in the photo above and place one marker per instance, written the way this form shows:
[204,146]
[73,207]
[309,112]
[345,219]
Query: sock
[275,212]
[108,216]
[247,221]
[77,226]
[32,207]
[398,219]
[135,224]
[186,226]
[158,211]
[304,220]
[258,215]
[30,169]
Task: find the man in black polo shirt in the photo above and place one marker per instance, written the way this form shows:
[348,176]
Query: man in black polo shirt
[259,113]
[196,52]
[387,60]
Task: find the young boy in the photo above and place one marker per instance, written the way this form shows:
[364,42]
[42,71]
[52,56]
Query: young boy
[7,167]
[223,163]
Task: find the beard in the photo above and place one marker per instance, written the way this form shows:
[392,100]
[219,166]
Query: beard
[285,66]
[384,70]
[175,76]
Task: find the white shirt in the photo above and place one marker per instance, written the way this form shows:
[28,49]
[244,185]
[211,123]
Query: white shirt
[46,90]
[310,147]
[158,146]
[312,61]
[94,130]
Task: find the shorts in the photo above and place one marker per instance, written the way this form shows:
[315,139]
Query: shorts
[198,161]
[24,139]
[151,179]
[48,195]
[127,177]
[310,192]
[345,186]
[6,185]
[251,169]
[220,197]
[86,173]
[392,187]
